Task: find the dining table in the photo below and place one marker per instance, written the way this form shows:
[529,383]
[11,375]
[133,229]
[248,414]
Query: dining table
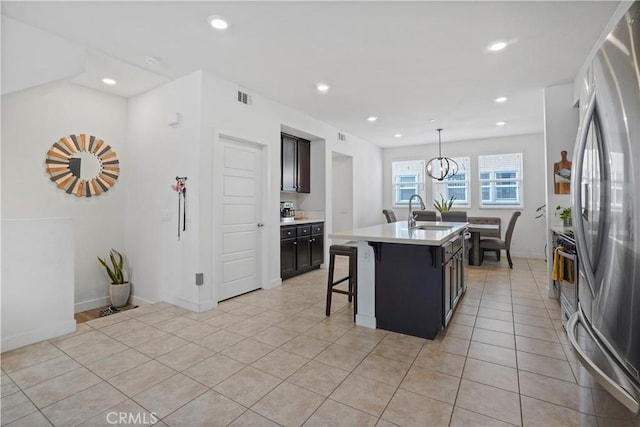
[475,255]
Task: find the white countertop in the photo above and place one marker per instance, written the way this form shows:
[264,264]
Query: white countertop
[299,221]
[398,232]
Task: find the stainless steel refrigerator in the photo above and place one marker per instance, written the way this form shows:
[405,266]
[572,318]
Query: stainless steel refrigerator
[605,191]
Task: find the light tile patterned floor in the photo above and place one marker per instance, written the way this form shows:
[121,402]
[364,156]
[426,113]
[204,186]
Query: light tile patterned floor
[273,358]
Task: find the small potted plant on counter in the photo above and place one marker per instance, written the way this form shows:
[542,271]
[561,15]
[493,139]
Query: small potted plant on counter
[443,205]
[119,289]
[564,214]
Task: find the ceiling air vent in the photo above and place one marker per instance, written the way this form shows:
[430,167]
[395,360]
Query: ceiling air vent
[244,97]
[342,137]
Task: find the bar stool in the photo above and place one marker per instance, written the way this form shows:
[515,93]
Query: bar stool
[349,249]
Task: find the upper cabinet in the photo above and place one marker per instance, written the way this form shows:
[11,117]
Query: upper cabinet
[295,164]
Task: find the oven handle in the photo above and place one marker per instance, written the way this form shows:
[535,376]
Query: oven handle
[572,257]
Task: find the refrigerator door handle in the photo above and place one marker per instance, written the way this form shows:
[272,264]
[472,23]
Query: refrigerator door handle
[603,379]
[576,190]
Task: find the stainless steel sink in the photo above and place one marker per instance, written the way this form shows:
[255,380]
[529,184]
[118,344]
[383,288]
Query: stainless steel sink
[433,227]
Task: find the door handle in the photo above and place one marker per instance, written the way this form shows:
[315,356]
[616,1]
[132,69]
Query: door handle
[609,384]
[260,224]
[590,115]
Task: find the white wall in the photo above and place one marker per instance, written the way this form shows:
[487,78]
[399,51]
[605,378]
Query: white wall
[32,57]
[165,268]
[37,281]
[529,234]
[560,129]
[32,120]
[342,192]
[561,120]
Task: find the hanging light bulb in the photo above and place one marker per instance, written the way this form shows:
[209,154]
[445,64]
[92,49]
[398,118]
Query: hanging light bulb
[440,167]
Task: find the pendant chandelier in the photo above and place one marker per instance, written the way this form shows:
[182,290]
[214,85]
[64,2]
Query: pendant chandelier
[440,167]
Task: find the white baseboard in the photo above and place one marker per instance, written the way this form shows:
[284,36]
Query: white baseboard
[104,301]
[189,305]
[135,300]
[36,335]
[207,305]
[366,321]
[274,283]
[91,304]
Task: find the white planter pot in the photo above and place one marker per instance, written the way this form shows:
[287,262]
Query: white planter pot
[119,294]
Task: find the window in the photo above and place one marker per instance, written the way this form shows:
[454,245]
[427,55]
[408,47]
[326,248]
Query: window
[456,186]
[500,180]
[408,179]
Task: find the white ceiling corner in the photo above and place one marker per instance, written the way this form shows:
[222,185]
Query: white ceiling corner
[405,62]
[131,80]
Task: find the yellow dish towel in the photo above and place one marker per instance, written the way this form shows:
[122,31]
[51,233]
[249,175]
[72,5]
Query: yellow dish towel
[557,273]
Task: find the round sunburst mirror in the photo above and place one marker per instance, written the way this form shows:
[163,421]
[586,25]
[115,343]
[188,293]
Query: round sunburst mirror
[82,165]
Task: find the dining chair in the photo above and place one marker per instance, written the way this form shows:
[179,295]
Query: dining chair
[425,215]
[390,215]
[454,216]
[497,245]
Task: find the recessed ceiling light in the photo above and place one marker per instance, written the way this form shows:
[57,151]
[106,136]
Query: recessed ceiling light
[497,46]
[323,87]
[109,81]
[501,99]
[501,123]
[432,120]
[372,118]
[398,135]
[218,22]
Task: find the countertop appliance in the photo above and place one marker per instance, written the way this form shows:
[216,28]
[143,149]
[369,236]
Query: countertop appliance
[287,210]
[605,189]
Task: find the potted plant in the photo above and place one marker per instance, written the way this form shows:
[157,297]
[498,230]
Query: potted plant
[119,289]
[564,214]
[443,205]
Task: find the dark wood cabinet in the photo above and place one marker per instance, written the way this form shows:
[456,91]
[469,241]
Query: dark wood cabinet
[417,287]
[453,277]
[303,173]
[409,288]
[295,168]
[304,253]
[317,244]
[288,163]
[301,248]
[288,256]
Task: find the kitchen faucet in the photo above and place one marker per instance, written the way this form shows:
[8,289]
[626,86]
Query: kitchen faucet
[411,222]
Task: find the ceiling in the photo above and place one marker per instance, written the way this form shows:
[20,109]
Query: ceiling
[415,65]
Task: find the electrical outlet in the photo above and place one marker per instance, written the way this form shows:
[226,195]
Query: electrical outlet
[199,279]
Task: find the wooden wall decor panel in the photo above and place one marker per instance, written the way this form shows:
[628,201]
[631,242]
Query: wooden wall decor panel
[68,147]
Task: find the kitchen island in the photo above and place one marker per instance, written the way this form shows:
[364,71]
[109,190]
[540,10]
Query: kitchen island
[409,279]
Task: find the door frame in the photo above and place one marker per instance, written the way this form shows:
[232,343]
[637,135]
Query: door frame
[217,209]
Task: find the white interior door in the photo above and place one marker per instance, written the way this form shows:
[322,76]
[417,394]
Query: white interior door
[241,219]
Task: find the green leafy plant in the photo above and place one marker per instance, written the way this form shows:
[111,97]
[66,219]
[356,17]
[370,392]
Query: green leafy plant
[563,213]
[443,205]
[116,269]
